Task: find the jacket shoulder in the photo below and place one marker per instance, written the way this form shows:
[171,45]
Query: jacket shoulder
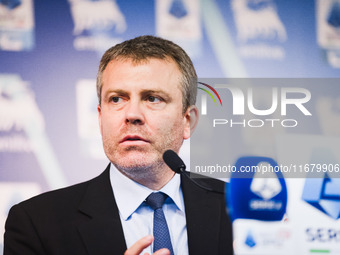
[64,198]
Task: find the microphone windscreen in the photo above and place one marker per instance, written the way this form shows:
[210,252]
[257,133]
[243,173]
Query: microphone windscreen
[174,161]
[257,195]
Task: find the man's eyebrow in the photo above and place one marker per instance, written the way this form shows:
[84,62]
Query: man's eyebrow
[145,91]
[116,91]
[161,92]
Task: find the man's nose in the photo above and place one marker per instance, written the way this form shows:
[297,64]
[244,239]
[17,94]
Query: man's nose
[134,112]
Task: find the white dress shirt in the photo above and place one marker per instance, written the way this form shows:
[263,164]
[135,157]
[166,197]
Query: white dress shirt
[137,217]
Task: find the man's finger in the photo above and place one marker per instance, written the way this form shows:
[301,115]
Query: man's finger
[162,252]
[139,246]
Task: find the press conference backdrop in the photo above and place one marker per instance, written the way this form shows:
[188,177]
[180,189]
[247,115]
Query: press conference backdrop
[49,55]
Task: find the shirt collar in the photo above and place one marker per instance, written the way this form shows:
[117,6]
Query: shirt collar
[125,189]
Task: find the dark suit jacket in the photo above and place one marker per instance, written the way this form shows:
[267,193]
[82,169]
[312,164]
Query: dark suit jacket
[84,219]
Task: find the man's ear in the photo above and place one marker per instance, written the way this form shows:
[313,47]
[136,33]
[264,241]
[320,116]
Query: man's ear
[99,109]
[191,120]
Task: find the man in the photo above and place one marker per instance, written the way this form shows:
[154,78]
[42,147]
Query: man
[147,90]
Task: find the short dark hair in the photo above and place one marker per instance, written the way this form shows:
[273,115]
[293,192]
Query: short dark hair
[146,47]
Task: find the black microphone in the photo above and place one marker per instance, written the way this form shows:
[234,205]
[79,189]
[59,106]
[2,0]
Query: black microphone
[173,161]
[177,165]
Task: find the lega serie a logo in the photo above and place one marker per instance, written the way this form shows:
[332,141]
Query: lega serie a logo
[323,191]
[324,195]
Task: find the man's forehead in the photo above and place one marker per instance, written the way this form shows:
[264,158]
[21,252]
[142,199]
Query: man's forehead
[118,70]
[133,62]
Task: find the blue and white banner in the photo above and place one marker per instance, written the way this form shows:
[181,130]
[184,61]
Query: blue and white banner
[49,137]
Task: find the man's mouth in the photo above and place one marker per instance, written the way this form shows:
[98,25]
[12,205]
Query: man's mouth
[134,140]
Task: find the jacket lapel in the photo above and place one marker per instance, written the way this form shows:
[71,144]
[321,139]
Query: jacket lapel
[102,233]
[202,211]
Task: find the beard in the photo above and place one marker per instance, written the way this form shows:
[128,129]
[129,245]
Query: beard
[139,163]
[140,170]
[142,163]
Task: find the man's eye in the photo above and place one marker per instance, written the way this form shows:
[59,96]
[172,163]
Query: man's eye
[153,99]
[116,99]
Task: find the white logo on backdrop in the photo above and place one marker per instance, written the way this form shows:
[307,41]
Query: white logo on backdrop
[16,25]
[328,111]
[259,20]
[328,29]
[179,21]
[102,15]
[87,119]
[263,23]
[18,110]
[267,187]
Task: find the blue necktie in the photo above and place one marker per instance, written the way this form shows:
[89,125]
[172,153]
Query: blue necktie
[160,227]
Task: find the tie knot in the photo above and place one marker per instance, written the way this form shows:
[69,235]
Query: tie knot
[156,200]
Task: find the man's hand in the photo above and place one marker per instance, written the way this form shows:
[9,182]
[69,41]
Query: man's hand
[141,244]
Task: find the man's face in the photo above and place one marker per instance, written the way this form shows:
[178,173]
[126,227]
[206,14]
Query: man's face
[141,113]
